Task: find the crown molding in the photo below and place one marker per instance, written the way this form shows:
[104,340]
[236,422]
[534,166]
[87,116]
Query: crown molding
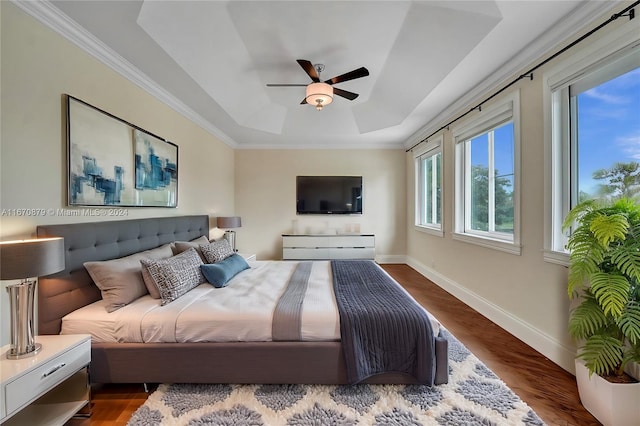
[582,16]
[332,146]
[49,15]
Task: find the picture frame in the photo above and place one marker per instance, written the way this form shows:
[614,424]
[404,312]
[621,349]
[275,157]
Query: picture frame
[111,162]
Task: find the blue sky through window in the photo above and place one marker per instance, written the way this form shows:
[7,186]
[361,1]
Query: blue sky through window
[503,151]
[608,127]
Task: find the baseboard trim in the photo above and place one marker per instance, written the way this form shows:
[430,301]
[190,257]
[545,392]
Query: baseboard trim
[557,352]
[392,258]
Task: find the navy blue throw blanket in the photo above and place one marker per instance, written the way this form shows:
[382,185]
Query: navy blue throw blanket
[383,330]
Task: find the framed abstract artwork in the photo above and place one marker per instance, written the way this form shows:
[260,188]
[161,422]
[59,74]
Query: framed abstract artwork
[111,162]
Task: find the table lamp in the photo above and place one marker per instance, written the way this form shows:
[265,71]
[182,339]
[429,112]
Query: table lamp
[230,222]
[25,259]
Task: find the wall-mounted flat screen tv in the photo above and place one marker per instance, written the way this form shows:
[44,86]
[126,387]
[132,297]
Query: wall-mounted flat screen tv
[329,194]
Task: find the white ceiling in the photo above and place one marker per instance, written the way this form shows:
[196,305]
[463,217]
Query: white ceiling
[211,60]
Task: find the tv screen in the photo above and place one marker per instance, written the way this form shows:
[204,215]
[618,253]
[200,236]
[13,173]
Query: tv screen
[329,194]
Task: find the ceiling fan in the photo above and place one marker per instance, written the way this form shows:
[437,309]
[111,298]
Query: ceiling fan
[320,93]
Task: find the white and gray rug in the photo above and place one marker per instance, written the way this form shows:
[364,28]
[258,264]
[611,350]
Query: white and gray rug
[473,396]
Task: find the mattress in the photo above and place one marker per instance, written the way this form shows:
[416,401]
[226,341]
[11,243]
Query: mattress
[240,312]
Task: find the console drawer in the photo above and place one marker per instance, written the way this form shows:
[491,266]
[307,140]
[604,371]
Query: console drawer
[305,253]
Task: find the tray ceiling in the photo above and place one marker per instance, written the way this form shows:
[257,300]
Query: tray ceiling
[211,60]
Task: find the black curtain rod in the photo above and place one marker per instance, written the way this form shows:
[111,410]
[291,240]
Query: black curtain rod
[628,11]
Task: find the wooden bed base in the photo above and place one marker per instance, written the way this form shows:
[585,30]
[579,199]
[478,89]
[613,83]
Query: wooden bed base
[234,362]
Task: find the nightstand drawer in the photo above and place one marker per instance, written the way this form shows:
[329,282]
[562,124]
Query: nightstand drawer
[35,383]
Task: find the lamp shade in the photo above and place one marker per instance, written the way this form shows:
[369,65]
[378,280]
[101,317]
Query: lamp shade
[31,258]
[319,94]
[229,222]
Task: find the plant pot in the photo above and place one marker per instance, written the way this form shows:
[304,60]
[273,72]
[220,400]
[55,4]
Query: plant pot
[613,404]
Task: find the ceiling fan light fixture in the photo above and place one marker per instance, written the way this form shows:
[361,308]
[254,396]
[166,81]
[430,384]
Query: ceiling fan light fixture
[319,95]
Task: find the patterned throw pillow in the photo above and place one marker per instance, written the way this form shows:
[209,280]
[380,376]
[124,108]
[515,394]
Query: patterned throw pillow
[216,251]
[176,275]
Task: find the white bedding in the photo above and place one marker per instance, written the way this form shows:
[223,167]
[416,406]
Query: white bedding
[242,311]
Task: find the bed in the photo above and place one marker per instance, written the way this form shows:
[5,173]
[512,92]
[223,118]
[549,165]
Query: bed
[71,294]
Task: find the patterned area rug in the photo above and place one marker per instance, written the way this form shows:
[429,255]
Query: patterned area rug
[473,396]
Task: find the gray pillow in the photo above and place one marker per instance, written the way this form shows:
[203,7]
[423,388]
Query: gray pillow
[216,251]
[149,282]
[120,280]
[176,275]
[180,246]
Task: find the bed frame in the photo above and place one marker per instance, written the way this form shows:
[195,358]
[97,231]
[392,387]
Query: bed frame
[234,362]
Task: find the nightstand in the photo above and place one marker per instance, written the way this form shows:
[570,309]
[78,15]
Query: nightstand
[248,257]
[50,387]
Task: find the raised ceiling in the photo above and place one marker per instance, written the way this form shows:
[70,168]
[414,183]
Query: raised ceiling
[211,60]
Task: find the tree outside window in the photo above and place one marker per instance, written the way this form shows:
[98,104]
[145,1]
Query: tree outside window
[607,139]
[490,181]
[428,167]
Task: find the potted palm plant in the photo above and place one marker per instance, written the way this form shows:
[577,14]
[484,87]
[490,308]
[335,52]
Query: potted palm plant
[604,273]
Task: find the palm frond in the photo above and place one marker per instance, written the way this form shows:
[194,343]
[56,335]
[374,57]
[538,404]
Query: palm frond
[608,228]
[577,212]
[586,256]
[611,291]
[587,319]
[579,274]
[602,354]
[629,323]
[632,354]
[626,258]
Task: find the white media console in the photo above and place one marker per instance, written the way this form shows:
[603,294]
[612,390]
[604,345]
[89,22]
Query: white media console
[319,247]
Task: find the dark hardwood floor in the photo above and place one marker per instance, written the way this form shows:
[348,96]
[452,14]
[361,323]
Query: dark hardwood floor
[544,386]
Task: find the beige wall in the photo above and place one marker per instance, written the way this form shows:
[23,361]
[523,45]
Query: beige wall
[38,67]
[266,197]
[524,294]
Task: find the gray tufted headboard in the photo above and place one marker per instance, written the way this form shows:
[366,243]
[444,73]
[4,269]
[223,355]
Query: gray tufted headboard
[73,288]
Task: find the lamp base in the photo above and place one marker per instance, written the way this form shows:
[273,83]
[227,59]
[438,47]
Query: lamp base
[231,237]
[21,299]
[13,354]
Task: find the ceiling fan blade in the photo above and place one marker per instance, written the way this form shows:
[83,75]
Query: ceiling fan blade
[351,75]
[309,69]
[345,94]
[304,101]
[286,85]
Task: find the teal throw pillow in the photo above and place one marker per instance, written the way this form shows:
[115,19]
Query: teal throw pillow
[218,274]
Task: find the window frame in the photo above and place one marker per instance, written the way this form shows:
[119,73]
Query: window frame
[604,57]
[503,111]
[429,149]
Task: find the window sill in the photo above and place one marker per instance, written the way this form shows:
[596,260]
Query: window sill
[430,231]
[557,257]
[505,246]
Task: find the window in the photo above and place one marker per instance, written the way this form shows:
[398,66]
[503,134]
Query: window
[487,155]
[605,136]
[428,174]
[594,135]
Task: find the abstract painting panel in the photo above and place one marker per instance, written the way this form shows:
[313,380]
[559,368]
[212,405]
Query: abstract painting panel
[156,170]
[114,163]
